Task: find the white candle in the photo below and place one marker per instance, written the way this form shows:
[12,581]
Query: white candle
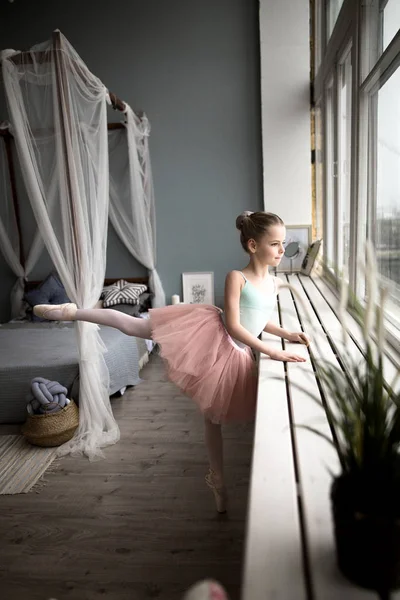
[175,299]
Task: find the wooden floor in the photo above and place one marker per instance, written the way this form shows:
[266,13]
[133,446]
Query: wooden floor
[139,524]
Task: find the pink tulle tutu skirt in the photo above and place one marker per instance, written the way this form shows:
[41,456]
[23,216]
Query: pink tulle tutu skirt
[204,361]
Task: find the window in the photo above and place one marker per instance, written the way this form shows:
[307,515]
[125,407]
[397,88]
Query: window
[344,157]
[332,13]
[319,174]
[337,128]
[390,21]
[386,215]
[380,25]
[318,37]
[331,172]
[356,92]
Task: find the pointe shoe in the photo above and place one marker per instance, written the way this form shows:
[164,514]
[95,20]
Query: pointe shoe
[56,312]
[219,491]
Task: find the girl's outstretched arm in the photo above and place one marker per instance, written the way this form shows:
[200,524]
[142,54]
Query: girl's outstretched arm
[291,336]
[233,287]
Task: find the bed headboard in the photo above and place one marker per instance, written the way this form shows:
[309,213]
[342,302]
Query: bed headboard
[30,285]
[144,280]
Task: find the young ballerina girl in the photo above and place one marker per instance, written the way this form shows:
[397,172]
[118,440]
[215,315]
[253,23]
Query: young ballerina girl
[209,353]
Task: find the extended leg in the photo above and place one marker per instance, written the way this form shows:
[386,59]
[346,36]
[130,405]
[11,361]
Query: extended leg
[113,318]
[101,316]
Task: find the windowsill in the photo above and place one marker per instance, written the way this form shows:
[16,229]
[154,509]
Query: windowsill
[392,346]
[393,338]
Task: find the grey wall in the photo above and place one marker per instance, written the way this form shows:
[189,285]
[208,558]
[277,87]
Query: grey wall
[193,66]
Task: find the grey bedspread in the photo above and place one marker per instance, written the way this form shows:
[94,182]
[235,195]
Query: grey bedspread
[49,350]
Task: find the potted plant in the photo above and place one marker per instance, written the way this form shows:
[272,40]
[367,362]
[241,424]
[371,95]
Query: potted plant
[364,417]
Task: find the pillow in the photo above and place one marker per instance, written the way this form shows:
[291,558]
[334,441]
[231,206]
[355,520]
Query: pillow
[128,309]
[143,305]
[119,284]
[106,289]
[122,292]
[50,291]
[145,301]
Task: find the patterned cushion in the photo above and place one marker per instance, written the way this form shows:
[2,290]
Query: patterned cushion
[122,292]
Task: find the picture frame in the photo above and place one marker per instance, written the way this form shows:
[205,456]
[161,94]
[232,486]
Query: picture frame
[302,235]
[198,288]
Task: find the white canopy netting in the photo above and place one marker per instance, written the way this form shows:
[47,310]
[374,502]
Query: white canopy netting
[132,207]
[58,118]
[20,258]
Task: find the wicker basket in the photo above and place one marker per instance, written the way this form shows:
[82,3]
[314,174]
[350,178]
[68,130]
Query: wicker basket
[52,429]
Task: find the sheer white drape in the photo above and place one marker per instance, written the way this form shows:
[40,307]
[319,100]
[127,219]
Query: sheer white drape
[58,113]
[132,208]
[9,236]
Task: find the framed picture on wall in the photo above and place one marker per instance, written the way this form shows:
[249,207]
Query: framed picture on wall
[198,288]
[298,239]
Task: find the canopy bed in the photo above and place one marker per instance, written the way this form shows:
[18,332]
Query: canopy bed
[78,173]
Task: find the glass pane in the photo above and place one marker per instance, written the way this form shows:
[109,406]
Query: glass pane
[387,230]
[380,24]
[332,13]
[318,35]
[345,77]
[390,22]
[319,174]
[330,179]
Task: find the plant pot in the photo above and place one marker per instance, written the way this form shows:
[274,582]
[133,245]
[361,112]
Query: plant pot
[52,429]
[367,545]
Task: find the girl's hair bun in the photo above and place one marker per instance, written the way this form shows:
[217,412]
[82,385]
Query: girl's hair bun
[240,219]
[253,225]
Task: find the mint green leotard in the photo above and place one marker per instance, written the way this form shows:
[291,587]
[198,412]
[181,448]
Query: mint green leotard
[255,308]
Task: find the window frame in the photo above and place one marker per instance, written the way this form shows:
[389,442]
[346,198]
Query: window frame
[332,77]
[341,61]
[330,171]
[361,24]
